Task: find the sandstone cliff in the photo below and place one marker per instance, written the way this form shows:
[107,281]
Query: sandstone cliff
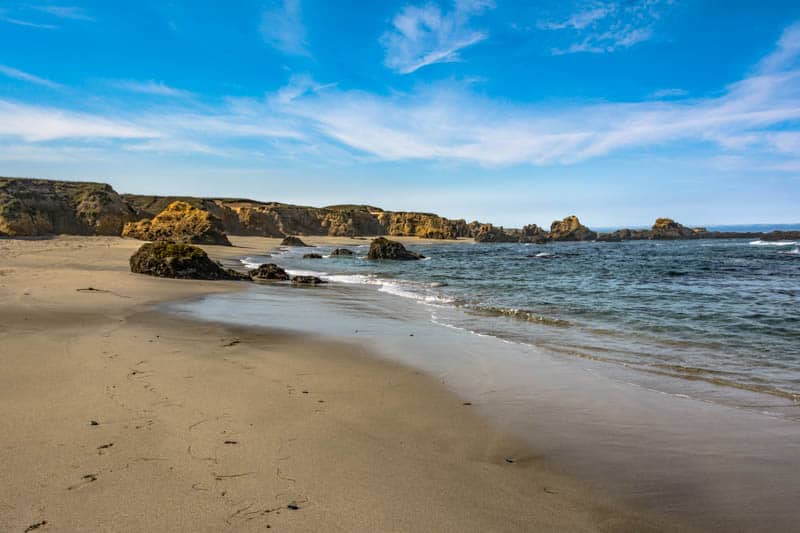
[32,207]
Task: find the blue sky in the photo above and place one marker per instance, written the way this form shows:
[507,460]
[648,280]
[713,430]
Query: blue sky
[511,112]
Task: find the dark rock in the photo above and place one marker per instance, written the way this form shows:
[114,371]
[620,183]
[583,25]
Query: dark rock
[533,233]
[341,252]
[383,248]
[175,260]
[307,280]
[668,229]
[312,256]
[570,229]
[491,233]
[291,240]
[269,271]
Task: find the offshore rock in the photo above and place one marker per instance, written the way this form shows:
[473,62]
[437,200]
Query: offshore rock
[341,252]
[179,222]
[570,229]
[177,260]
[312,256]
[269,271]
[307,280]
[668,229]
[383,248]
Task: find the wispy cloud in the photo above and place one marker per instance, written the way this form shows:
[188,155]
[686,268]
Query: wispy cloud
[65,12]
[13,19]
[424,35]
[602,27]
[756,116]
[40,123]
[669,93]
[25,76]
[282,27]
[152,87]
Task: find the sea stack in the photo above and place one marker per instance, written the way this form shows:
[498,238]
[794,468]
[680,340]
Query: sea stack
[383,248]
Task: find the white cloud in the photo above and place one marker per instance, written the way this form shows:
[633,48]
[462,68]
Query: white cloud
[669,93]
[442,123]
[607,26]
[4,17]
[38,123]
[25,76]
[282,27]
[153,87]
[66,12]
[424,35]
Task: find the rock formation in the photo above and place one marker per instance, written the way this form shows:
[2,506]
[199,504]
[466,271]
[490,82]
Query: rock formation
[179,222]
[269,271]
[312,256]
[291,240]
[383,248]
[307,280]
[30,207]
[570,229]
[341,252]
[177,260]
[668,229]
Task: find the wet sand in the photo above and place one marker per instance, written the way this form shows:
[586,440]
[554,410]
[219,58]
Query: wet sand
[117,417]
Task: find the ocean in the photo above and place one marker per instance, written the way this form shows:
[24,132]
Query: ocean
[724,311]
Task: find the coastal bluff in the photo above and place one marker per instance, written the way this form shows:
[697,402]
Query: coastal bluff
[38,207]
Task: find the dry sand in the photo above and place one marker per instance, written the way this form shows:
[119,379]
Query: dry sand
[115,417]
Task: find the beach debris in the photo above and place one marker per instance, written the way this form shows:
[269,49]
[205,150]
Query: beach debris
[231,442]
[341,252]
[293,506]
[509,460]
[307,280]
[105,446]
[291,240]
[549,491]
[383,248]
[467,403]
[183,261]
[35,526]
[269,271]
[88,478]
[312,256]
[91,289]
[233,342]
[94,423]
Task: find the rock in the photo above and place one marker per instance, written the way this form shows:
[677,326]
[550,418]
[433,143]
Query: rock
[668,229]
[383,248]
[291,240]
[307,280]
[269,271]
[341,252]
[179,222]
[533,233]
[177,260]
[491,233]
[570,229]
[312,256]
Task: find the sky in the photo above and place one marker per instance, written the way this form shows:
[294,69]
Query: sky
[510,112]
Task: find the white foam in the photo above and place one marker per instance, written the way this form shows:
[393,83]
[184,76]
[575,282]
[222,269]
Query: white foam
[793,251]
[307,273]
[772,243]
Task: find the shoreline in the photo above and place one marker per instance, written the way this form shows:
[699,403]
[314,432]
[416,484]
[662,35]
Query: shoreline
[206,426]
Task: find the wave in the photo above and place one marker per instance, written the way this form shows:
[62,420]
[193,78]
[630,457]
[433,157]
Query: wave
[772,243]
[793,251]
[519,314]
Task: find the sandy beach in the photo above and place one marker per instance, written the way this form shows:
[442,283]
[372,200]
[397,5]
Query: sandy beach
[116,417]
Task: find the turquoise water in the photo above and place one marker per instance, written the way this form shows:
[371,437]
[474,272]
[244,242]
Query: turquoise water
[722,311]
